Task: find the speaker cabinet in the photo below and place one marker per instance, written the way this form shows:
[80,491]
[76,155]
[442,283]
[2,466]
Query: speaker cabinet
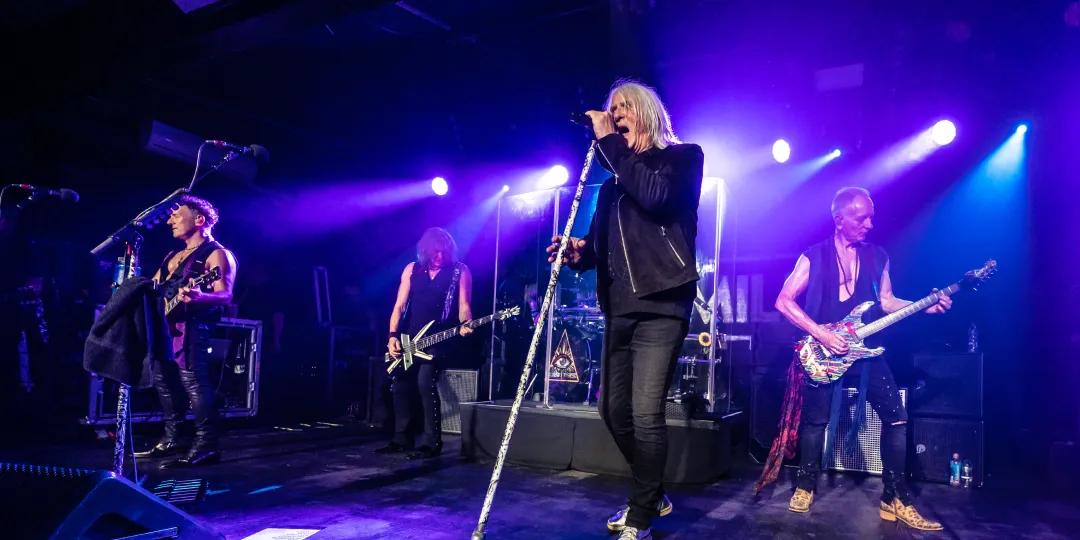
[865,454]
[456,386]
[947,385]
[63,502]
[934,441]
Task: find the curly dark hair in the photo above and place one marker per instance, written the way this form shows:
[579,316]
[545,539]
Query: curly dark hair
[201,207]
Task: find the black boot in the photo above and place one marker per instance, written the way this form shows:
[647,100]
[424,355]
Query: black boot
[425,452]
[392,448]
[204,449]
[165,379]
[166,446]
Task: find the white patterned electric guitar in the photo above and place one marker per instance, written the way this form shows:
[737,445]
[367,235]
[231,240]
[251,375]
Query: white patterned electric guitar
[412,347]
[825,367]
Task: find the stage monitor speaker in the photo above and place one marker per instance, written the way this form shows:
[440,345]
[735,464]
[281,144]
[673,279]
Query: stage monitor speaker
[865,454]
[456,386]
[947,384]
[936,439]
[63,502]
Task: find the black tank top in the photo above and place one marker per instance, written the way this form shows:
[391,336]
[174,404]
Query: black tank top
[427,300]
[822,302]
[193,265]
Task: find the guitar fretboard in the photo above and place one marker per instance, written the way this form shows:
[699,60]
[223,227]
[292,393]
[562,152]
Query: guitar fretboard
[904,313]
[438,337]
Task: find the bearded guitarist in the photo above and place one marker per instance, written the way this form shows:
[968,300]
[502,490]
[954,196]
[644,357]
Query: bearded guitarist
[191,323]
[837,275]
[437,287]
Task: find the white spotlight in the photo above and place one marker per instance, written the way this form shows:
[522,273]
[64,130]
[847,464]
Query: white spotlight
[781,151]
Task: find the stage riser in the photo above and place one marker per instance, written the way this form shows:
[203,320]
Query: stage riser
[698,451]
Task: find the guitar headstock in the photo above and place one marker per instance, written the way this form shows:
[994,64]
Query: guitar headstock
[974,278]
[504,314]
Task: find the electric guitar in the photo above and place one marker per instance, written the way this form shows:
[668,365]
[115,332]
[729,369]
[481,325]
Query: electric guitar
[171,290]
[412,347]
[825,367]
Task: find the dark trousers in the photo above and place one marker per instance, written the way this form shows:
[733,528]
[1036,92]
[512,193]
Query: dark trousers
[638,360]
[175,384]
[418,384]
[884,396]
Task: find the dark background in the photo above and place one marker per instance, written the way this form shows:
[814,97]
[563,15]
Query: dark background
[354,98]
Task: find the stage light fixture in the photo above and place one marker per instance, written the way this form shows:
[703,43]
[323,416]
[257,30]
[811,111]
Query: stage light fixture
[781,151]
[439,186]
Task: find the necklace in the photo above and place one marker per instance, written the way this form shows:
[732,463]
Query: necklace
[843,268]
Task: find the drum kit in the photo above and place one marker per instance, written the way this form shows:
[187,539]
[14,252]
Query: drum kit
[584,326]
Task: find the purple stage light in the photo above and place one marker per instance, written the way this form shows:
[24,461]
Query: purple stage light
[556,176]
[439,186]
[835,153]
[781,151]
[943,132]
[1022,128]
[505,188]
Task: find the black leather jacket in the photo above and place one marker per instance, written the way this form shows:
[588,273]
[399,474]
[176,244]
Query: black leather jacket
[657,193]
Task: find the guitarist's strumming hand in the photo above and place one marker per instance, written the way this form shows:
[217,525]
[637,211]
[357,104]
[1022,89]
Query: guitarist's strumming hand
[831,341]
[572,255]
[188,295]
[394,347]
[944,303]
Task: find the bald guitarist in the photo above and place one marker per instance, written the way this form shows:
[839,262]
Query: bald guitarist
[192,321]
[835,276]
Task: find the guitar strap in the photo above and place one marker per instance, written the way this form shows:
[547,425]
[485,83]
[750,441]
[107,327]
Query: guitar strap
[451,292]
[869,254]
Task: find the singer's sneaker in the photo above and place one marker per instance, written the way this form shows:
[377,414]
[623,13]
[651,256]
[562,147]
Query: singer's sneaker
[617,521]
[633,533]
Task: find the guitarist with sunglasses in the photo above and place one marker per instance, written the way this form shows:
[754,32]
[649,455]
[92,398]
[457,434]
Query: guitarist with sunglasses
[437,287]
[836,275]
[192,322]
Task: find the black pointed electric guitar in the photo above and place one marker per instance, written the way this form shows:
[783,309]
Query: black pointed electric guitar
[412,347]
[171,290]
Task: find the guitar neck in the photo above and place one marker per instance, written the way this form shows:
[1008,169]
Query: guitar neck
[439,337]
[904,313]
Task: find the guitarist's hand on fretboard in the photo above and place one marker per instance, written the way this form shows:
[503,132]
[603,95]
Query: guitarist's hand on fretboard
[465,330]
[944,303]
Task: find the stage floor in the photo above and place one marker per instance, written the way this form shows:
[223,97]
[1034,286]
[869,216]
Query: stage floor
[327,478]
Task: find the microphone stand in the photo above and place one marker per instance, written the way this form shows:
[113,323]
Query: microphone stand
[478,533]
[130,236]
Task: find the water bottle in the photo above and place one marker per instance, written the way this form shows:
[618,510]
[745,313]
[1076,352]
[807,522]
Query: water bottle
[954,470]
[965,474]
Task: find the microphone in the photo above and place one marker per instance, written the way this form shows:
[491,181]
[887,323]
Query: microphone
[581,119]
[64,194]
[258,152]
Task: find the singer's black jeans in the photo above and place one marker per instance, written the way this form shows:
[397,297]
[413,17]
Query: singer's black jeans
[884,396]
[638,360]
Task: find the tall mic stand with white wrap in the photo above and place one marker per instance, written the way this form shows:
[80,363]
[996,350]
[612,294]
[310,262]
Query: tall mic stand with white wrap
[478,534]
